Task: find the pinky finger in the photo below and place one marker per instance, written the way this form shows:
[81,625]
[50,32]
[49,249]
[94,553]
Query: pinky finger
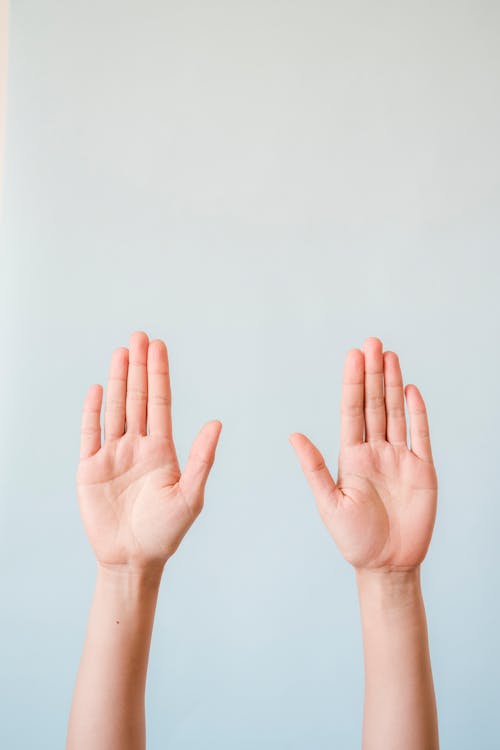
[419,424]
[90,434]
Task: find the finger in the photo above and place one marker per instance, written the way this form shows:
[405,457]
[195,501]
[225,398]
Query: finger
[419,425]
[90,434]
[114,413]
[352,416]
[316,472]
[394,400]
[374,390]
[159,394]
[137,384]
[198,465]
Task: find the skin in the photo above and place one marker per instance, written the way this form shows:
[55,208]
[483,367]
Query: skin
[381,513]
[136,507]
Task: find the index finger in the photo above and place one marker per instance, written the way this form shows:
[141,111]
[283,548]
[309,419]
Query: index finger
[352,418]
[159,392]
[90,433]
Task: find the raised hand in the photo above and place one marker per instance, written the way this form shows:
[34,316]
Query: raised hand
[381,510]
[135,503]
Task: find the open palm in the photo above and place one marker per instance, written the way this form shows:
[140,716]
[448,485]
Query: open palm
[381,510]
[135,503]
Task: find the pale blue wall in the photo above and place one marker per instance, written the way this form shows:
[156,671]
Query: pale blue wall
[264,185]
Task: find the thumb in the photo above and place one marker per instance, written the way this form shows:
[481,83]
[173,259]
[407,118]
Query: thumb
[200,461]
[316,472]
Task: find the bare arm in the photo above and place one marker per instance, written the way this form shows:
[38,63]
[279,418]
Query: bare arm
[136,507]
[400,708]
[381,513]
[108,703]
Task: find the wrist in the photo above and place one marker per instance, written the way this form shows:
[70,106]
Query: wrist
[390,590]
[130,579]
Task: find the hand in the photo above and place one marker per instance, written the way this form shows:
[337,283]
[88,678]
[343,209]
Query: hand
[381,511]
[135,503]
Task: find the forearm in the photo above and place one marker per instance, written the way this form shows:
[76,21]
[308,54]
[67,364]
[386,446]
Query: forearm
[108,703]
[400,708]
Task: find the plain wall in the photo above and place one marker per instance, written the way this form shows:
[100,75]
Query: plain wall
[263,185]
[4,8]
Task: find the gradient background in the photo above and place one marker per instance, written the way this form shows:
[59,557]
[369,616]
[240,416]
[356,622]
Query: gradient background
[263,185]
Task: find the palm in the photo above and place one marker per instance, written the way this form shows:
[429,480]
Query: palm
[381,510]
[385,512]
[130,500]
[135,504]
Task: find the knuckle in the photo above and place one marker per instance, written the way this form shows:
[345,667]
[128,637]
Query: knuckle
[423,433]
[317,467]
[396,412]
[374,402]
[90,431]
[351,410]
[159,400]
[115,404]
[136,394]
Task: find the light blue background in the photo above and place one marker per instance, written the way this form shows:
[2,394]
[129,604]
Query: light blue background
[263,185]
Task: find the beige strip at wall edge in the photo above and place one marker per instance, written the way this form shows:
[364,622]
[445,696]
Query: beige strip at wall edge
[4,16]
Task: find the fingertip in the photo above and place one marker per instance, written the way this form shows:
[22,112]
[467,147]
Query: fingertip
[139,339]
[94,394]
[157,344]
[119,361]
[356,355]
[374,362]
[215,423]
[391,356]
[414,396]
[392,369]
[211,432]
[157,357]
[354,366]
[372,342]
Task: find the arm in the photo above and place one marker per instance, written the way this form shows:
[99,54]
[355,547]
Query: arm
[108,703]
[136,507]
[400,707]
[381,514]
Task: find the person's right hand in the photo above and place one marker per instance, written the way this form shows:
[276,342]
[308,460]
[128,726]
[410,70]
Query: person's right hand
[135,503]
[381,510]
